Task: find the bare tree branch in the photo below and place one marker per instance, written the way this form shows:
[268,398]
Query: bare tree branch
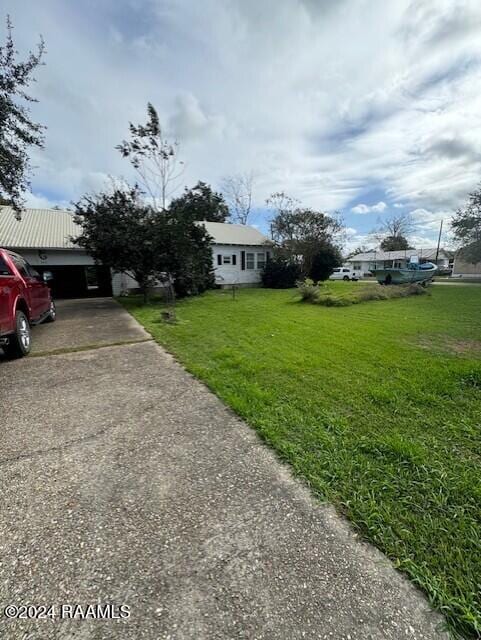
[237,190]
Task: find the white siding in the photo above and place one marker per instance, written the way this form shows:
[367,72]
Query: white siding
[51,257]
[122,282]
[228,274]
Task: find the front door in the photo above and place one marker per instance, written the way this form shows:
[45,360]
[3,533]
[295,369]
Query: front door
[227,270]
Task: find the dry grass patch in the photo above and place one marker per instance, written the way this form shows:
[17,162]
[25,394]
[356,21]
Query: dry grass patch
[447,344]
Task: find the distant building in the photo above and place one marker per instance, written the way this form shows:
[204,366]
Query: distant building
[463,268]
[364,263]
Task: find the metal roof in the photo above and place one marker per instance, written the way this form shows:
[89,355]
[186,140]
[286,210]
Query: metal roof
[428,253]
[223,233]
[38,229]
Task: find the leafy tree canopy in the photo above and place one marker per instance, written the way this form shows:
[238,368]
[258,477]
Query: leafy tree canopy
[17,131]
[121,231]
[302,233]
[200,203]
[393,232]
[325,261]
[394,243]
[466,226]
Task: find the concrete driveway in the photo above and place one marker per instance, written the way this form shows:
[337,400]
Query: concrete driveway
[126,482]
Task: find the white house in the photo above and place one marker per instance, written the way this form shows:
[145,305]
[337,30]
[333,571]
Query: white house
[239,253]
[363,263]
[43,237]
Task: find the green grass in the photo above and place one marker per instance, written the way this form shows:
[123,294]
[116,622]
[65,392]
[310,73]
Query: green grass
[377,406]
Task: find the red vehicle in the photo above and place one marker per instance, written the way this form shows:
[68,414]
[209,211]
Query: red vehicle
[25,300]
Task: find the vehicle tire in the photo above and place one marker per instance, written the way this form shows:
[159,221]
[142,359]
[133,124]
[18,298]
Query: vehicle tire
[52,316]
[20,342]
[346,278]
[388,279]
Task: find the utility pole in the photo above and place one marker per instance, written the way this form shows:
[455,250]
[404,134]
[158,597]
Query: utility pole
[439,241]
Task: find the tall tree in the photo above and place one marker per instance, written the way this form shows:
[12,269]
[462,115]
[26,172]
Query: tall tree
[393,233]
[394,243]
[118,231]
[200,203]
[466,226]
[303,233]
[154,158]
[237,190]
[17,131]
[121,231]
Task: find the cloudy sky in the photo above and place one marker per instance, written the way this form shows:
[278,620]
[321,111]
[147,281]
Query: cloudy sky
[364,106]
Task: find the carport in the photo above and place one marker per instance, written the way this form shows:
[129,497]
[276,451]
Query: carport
[44,238]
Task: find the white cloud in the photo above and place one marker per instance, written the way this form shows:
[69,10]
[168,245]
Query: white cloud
[249,85]
[375,208]
[41,202]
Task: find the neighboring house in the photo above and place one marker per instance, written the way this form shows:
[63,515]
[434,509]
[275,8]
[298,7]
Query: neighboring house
[463,268]
[363,263]
[43,238]
[239,253]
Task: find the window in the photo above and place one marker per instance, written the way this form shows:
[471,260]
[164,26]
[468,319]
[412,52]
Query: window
[4,270]
[356,266]
[226,259]
[21,266]
[33,273]
[261,260]
[234,259]
[337,271]
[397,264]
[250,258]
[345,271]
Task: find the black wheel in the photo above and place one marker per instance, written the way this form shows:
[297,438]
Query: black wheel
[388,279]
[20,342]
[346,278]
[52,314]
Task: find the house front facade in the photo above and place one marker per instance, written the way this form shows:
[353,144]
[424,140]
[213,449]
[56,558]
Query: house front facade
[44,238]
[239,253]
[364,263]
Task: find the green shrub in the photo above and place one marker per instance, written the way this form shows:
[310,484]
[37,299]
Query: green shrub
[280,273]
[309,290]
[312,292]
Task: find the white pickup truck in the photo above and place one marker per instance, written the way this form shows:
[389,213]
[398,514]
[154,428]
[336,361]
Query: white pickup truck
[344,273]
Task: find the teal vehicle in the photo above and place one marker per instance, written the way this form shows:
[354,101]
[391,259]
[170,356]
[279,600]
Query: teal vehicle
[414,272]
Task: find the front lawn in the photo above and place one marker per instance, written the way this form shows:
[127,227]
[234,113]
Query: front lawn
[377,406]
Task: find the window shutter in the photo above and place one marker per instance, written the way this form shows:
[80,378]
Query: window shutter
[219,259]
[234,259]
[243,260]
[268,255]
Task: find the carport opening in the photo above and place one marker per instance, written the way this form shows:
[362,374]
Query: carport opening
[78,281]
